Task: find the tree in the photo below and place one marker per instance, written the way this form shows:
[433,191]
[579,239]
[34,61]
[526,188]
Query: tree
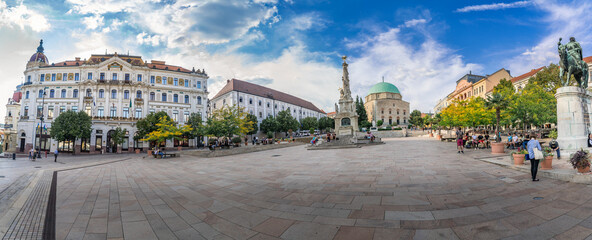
[229,121]
[286,122]
[362,115]
[498,102]
[118,136]
[505,88]
[148,124]
[548,78]
[166,129]
[269,125]
[308,123]
[379,123]
[326,123]
[70,125]
[535,105]
[253,119]
[198,129]
[415,118]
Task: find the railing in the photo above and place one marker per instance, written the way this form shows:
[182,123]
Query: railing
[107,118]
[24,117]
[139,101]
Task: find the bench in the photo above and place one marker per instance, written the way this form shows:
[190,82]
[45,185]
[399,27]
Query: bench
[165,155]
[448,139]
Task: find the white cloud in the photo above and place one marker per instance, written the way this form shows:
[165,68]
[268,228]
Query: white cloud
[93,22]
[493,6]
[423,73]
[563,20]
[106,6]
[144,38]
[415,22]
[307,21]
[22,17]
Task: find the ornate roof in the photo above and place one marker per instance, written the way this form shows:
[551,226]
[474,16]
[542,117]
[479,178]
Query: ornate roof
[39,56]
[383,87]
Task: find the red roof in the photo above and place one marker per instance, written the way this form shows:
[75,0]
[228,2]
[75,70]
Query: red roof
[250,88]
[527,75]
[588,59]
[167,67]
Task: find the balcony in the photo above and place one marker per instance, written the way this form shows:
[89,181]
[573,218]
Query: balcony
[139,101]
[108,118]
[24,117]
[88,99]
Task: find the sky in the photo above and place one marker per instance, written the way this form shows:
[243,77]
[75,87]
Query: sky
[295,46]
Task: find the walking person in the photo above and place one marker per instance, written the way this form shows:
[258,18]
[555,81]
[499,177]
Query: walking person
[554,145]
[55,155]
[459,141]
[534,163]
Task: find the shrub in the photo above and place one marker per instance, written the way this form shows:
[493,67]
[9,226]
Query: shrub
[580,159]
[236,140]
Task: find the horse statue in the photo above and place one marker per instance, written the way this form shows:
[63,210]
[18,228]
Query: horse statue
[572,64]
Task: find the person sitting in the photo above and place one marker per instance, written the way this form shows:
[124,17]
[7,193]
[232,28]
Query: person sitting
[481,141]
[161,153]
[509,143]
[370,136]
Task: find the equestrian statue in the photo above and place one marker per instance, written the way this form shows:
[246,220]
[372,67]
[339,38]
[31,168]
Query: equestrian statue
[571,60]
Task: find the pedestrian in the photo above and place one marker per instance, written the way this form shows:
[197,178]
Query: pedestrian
[459,141]
[328,137]
[31,154]
[253,140]
[554,145]
[590,140]
[534,163]
[55,155]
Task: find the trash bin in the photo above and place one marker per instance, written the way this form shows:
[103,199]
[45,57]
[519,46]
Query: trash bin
[13,156]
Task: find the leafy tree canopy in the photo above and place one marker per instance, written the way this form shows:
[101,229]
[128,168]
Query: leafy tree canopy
[71,125]
[286,122]
[308,123]
[148,124]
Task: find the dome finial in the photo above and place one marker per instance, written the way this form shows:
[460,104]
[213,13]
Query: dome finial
[40,48]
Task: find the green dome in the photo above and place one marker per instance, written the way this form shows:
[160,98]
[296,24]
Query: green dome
[383,87]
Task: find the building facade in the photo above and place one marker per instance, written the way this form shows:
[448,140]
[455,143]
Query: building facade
[520,82]
[384,102]
[115,90]
[13,110]
[485,86]
[262,101]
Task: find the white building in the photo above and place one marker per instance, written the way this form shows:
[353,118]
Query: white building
[520,82]
[115,90]
[13,109]
[262,101]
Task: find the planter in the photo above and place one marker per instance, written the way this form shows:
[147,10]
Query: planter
[138,151]
[547,163]
[518,159]
[149,153]
[439,137]
[179,148]
[498,147]
[584,170]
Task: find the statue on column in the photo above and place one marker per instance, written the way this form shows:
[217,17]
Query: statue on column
[571,59]
[345,79]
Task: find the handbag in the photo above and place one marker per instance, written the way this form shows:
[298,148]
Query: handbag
[538,155]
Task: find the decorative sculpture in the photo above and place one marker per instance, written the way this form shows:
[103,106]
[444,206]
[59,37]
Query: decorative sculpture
[571,60]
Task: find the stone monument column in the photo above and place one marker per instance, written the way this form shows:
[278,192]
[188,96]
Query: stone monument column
[573,117]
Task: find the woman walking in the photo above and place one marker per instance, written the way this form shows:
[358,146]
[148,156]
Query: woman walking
[534,163]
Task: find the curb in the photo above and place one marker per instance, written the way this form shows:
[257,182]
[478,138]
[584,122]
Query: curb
[563,175]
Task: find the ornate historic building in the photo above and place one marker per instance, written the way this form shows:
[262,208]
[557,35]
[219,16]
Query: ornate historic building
[262,101]
[384,102]
[13,109]
[115,90]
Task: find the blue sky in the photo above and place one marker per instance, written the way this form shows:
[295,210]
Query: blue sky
[294,46]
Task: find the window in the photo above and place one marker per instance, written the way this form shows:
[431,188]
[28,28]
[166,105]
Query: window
[39,111]
[51,93]
[89,76]
[75,108]
[42,78]
[268,104]
[75,93]
[250,101]
[186,117]
[127,77]
[390,112]
[114,76]
[152,96]
[62,109]
[63,93]
[199,101]
[126,94]
[176,116]
[259,102]
[101,93]
[138,113]
[113,112]
[164,97]
[76,76]
[27,95]
[260,114]
[102,76]
[53,77]
[113,93]
[100,112]
[187,99]
[275,106]
[199,84]
[176,81]
[125,112]
[88,110]
[164,80]
[151,111]
[65,76]
[240,99]
[175,98]
[152,79]
[139,94]
[139,77]
[186,82]
[88,92]
[26,113]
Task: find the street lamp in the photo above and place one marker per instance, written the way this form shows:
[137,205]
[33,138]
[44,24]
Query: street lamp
[41,125]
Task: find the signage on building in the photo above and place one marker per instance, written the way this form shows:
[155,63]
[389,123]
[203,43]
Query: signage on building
[6,126]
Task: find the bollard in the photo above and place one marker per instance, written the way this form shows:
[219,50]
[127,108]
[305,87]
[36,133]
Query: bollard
[13,156]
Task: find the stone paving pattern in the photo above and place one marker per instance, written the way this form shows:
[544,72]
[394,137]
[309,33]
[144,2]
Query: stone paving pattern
[408,188]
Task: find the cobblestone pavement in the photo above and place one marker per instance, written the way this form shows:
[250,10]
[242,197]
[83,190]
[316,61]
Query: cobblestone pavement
[409,188]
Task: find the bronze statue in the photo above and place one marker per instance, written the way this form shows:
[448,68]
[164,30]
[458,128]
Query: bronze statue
[571,60]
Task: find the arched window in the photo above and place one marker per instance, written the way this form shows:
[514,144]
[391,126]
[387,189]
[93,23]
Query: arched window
[63,93]
[164,97]
[126,94]
[88,92]
[113,93]
[27,95]
[175,98]
[240,99]
[199,100]
[259,102]
[139,94]
[51,93]
[75,93]
[390,112]
[250,101]
[152,96]
[186,98]
[101,93]
[40,94]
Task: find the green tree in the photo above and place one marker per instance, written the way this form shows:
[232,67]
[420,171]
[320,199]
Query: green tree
[379,123]
[326,123]
[118,136]
[535,105]
[499,103]
[286,122]
[253,119]
[505,88]
[166,129]
[309,122]
[415,118]
[148,124]
[362,114]
[548,78]
[198,129]
[70,125]
[229,121]
[269,125]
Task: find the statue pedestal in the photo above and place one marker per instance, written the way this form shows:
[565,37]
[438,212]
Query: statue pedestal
[346,120]
[573,117]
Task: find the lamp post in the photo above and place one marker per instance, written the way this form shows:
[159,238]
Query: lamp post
[41,125]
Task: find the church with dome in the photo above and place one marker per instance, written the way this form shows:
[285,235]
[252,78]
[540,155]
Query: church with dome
[384,102]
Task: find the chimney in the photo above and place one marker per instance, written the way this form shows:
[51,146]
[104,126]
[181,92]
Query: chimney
[77,59]
[227,80]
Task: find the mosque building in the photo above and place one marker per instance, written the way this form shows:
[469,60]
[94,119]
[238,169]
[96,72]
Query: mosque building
[384,102]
